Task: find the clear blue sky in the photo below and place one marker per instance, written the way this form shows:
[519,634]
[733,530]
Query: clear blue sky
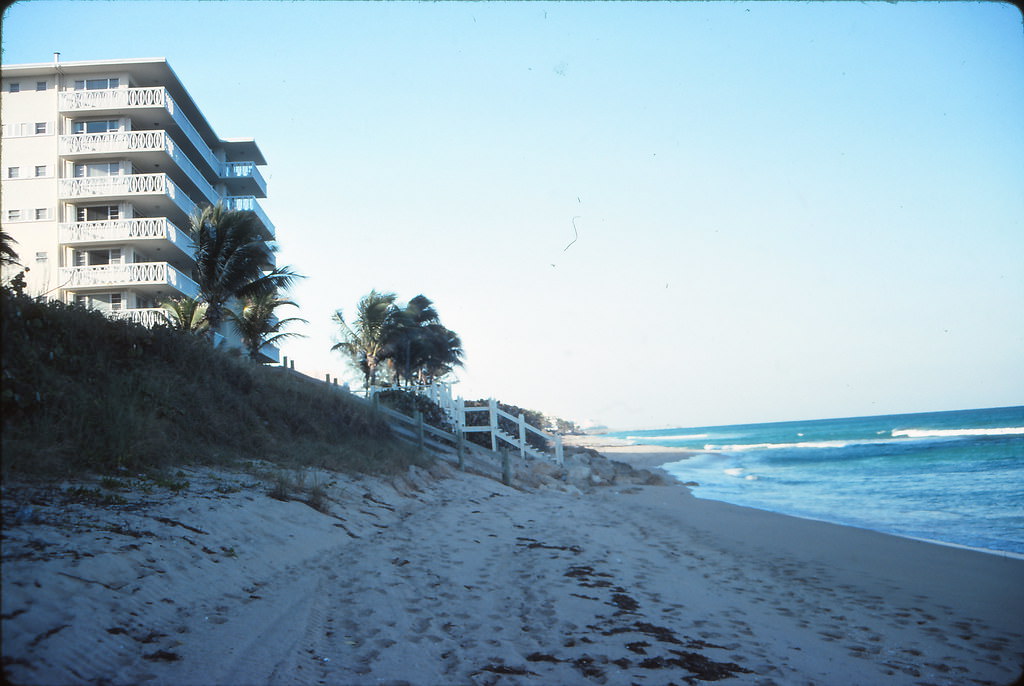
[784,210]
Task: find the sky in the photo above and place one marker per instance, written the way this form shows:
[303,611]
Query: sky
[639,215]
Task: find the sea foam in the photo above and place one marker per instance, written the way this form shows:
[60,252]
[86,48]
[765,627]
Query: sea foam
[952,433]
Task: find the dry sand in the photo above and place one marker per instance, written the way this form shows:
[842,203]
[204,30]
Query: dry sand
[450,578]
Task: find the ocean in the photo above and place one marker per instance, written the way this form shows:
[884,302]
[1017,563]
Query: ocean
[953,477]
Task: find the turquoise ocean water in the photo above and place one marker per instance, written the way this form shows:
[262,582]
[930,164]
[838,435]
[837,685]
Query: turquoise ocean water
[955,477]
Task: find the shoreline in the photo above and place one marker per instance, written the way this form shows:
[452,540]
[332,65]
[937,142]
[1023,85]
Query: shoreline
[654,457]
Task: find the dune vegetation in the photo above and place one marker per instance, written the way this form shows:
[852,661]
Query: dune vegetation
[84,393]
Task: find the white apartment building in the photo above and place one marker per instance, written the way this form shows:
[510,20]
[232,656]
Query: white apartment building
[102,163]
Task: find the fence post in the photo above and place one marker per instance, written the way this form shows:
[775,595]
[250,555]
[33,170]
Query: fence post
[327,378]
[492,407]
[284,361]
[460,449]
[506,468]
[420,431]
[522,436]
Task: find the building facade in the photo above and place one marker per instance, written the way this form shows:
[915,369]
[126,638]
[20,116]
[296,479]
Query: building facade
[102,165]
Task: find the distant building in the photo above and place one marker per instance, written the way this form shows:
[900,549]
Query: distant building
[102,164]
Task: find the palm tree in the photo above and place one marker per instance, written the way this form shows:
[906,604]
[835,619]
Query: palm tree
[257,325]
[7,254]
[417,346]
[405,334]
[187,314]
[365,339]
[441,352]
[230,257]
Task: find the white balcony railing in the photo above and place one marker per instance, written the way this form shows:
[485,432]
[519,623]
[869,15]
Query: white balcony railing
[245,170]
[248,202]
[126,185]
[125,98]
[116,230]
[149,316]
[122,142]
[131,274]
[113,99]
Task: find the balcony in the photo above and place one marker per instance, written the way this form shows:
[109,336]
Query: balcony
[269,353]
[157,100]
[143,232]
[244,178]
[85,144]
[248,202]
[152,278]
[97,101]
[149,316]
[147,149]
[153,194]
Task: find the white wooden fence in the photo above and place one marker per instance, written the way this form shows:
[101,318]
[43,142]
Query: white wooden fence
[440,394]
[519,442]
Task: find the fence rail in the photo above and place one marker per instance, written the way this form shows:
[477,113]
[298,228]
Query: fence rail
[456,410]
[519,442]
[501,462]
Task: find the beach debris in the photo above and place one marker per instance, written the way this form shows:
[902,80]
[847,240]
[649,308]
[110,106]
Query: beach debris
[46,634]
[162,656]
[174,522]
[531,543]
[624,602]
[505,669]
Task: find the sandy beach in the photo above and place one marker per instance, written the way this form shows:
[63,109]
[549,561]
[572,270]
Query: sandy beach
[443,577]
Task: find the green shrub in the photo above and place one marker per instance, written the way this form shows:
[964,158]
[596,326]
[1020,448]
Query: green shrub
[409,403]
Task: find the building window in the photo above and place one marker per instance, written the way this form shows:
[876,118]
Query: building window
[42,213]
[40,85]
[89,258]
[13,87]
[97,169]
[41,171]
[100,301]
[95,84]
[13,215]
[96,126]
[13,172]
[98,213]
[42,128]
[41,257]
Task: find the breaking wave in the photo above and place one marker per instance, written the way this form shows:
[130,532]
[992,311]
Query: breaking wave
[681,437]
[952,433]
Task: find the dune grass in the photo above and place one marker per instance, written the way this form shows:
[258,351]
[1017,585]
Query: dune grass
[84,394]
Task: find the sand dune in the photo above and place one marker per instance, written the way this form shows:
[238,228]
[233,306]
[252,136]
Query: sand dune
[448,578]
